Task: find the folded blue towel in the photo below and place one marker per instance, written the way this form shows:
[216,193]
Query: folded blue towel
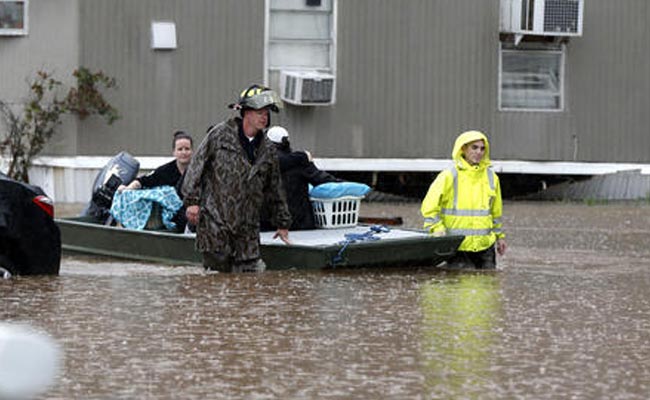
[332,190]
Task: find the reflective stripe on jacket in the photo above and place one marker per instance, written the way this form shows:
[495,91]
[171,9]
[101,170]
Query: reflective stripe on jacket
[466,200]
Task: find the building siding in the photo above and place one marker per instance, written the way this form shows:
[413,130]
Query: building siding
[610,82]
[410,77]
[416,75]
[161,91]
[51,45]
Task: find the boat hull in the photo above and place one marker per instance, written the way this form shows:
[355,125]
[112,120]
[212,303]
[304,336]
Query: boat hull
[330,249]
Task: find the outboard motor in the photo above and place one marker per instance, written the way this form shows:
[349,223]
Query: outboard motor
[121,169]
[103,196]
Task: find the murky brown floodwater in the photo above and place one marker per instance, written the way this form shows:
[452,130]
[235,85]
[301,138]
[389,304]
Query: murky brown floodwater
[567,316]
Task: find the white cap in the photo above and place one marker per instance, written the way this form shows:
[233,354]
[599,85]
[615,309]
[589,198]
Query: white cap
[276,133]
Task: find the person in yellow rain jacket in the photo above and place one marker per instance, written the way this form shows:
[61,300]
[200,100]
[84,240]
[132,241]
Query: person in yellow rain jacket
[466,200]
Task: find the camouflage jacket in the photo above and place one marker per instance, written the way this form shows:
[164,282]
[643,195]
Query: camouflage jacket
[231,191]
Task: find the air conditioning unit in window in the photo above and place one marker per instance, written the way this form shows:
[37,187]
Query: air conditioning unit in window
[307,88]
[542,17]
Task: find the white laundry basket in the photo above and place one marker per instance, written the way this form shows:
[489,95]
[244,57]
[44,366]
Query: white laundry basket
[339,212]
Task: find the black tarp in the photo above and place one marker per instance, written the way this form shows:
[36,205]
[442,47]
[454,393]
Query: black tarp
[30,241]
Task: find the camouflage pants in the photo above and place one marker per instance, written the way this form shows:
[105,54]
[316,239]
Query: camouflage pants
[213,261]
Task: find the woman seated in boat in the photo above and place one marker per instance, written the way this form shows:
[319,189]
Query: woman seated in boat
[169,174]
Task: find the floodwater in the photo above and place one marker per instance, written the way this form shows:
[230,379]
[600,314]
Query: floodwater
[566,316]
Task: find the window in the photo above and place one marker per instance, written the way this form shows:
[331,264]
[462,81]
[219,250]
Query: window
[300,36]
[13,17]
[531,77]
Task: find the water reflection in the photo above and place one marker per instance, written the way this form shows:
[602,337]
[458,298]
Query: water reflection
[460,322]
[542,330]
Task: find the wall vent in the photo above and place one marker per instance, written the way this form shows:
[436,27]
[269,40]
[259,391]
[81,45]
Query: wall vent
[542,17]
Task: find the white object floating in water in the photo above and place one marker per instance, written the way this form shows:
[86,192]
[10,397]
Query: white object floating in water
[29,362]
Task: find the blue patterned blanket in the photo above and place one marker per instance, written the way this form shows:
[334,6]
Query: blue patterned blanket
[132,208]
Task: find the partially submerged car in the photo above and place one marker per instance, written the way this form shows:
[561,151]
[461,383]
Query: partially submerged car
[30,240]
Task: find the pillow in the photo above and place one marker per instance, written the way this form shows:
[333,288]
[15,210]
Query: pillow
[332,190]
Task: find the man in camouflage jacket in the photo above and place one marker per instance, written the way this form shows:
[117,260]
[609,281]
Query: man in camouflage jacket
[232,174]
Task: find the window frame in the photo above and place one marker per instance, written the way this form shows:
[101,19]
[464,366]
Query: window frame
[534,48]
[17,31]
[268,41]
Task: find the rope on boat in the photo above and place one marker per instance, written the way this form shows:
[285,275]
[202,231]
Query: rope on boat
[358,237]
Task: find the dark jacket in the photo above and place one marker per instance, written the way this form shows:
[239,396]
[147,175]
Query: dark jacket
[230,192]
[167,175]
[297,173]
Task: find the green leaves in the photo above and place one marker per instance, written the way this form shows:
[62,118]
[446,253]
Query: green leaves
[86,98]
[28,131]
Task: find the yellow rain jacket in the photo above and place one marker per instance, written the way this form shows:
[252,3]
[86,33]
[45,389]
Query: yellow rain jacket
[466,200]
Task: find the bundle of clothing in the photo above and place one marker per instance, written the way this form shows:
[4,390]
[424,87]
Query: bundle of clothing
[133,208]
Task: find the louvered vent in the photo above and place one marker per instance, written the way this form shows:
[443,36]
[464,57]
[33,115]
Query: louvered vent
[542,17]
[561,16]
[307,88]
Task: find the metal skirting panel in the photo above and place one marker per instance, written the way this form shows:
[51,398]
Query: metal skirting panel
[626,185]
